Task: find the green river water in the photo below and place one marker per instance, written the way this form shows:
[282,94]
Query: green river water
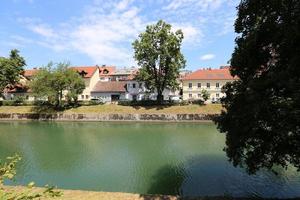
[148,158]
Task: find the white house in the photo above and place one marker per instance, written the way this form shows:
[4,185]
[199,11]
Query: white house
[110,91]
[137,91]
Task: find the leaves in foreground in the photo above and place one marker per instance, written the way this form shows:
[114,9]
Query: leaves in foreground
[8,172]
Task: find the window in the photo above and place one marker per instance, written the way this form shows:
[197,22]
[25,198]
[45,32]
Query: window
[82,96]
[140,85]
[190,95]
[217,85]
[217,95]
[190,85]
[133,85]
[199,95]
[199,85]
[208,85]
[86,96]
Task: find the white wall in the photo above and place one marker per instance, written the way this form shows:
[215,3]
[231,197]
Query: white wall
[142,92]
[106,97]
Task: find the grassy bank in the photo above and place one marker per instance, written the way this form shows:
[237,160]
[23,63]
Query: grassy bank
[112,108]
[93,195]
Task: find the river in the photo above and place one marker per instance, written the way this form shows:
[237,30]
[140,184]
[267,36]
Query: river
[149,158]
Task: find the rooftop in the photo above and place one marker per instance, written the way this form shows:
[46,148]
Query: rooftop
[85,71]
[113,86]
[210,74]
[30,72]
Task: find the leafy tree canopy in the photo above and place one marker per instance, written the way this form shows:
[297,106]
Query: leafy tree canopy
[204,95]
[262,117]
[55,82]
[158,53]
[10,69]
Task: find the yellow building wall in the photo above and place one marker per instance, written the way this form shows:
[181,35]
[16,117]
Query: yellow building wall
[89,85]
[195,91]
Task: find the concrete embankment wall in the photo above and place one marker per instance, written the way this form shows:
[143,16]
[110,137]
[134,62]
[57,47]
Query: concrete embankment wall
[106,117]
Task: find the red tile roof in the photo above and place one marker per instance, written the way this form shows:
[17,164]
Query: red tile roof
[210,74]
[111,86]
[30,72]
[106,70]
[86,71]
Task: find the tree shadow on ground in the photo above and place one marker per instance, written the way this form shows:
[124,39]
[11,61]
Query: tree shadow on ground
[51,109]
[156,107]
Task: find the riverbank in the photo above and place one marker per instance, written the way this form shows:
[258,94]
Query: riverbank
[107,117]
[113,108]
[189,113]
[93,195]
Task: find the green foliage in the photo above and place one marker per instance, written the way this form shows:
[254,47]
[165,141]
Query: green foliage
[55,82]
[158,53]
[18,100]
[204,95]
[262,114]
[10,69]
[8,171]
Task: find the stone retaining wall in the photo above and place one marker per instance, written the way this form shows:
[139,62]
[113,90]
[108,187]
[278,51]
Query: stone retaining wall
[106,117]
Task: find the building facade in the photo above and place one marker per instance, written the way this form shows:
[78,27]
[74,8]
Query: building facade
[211,80]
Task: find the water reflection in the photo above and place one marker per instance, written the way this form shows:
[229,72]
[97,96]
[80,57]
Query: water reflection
[181,159]
[168,180]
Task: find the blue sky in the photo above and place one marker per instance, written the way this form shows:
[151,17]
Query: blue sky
[89,32]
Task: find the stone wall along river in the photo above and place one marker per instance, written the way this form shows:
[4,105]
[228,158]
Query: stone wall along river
[106,117]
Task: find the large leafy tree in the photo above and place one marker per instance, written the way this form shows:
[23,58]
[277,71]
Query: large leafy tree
[262,117]
[54,82]
[158,53]
[10,69]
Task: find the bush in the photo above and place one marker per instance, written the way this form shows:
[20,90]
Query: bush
[8,103]
[138,103]
[18,100]
[90,102]
[198,102]
[41,103]
[184,103]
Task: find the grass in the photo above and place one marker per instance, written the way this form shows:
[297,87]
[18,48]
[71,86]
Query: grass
[112,108]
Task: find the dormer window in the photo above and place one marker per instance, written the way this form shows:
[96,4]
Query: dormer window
[105,71]
[82,73]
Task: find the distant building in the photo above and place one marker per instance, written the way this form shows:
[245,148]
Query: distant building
[109,91]
[124,74]
[208,79]
[106,72]
[90,76]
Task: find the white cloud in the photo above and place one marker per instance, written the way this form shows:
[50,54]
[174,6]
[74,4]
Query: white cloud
[208,57]
[106,29]
[192,34]
[200,4]
[43,30]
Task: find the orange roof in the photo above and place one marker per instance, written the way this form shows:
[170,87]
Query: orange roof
[106,70]
[30,72]
[111,86]
[210,74]
[86,71]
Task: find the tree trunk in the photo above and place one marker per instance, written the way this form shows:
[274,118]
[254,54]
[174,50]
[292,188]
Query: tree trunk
[159,98]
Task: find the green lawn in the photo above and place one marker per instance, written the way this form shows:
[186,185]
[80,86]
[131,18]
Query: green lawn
[112,108]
